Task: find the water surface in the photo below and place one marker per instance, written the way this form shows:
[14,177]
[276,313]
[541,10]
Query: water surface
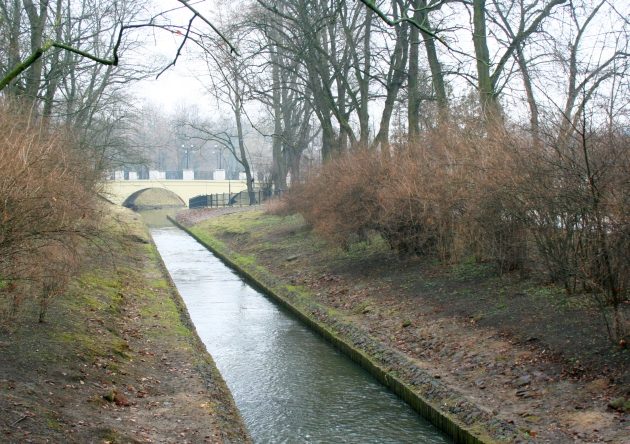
[289,384]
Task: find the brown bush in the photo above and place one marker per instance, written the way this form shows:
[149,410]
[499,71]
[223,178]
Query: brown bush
[577,208]
[562,212]
[421,201]
[277,207]
[342,202]
[49,203]
[434,198]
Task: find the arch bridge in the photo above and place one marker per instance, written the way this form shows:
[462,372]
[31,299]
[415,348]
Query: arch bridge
[118,191]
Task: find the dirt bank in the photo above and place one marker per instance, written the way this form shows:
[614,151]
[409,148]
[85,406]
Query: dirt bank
[513,357]
[117,359]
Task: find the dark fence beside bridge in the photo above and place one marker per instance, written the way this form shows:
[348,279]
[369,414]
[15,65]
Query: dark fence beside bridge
[218,200]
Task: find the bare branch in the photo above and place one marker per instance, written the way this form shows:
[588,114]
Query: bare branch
[209,23]
[179,50]
[393,22]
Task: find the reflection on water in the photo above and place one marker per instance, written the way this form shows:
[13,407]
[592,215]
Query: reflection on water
[157,218]
[289,385]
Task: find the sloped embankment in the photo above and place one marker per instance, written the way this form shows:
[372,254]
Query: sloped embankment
[444,339]
[118,359]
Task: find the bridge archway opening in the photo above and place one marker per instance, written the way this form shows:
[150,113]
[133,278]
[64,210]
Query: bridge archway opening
[150,198]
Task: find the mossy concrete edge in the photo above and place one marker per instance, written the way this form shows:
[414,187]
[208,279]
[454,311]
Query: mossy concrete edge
[209,368]
[458,432]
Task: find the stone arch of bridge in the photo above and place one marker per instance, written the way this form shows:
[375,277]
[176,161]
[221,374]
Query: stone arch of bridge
[130,201]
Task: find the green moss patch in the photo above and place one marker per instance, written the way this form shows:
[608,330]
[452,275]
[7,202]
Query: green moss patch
[486,329]
[121,328]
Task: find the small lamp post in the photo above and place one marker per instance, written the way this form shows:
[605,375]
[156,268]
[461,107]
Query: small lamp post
[187,152]
[219,152]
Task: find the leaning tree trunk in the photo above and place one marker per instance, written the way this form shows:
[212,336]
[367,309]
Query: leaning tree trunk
[238,116]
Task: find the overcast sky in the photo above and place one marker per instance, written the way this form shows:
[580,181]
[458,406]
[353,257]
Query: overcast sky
[178,85]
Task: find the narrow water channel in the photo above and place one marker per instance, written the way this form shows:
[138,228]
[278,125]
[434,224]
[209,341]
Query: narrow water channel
[289,385]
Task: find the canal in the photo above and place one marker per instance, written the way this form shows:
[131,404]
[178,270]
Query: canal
[289,384]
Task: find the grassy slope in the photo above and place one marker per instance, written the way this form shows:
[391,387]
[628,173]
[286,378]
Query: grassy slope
[482,334]
[120,332]
[232,235]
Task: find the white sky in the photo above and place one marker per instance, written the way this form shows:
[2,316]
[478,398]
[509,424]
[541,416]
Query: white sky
[178,85]
[175,87]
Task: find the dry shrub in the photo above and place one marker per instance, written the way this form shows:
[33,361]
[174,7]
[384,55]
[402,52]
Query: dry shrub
[280,204]
[422,199]
[437,197]
[49,203]
[495,214]
[577,209]
[562,213]
[342,202]
[277,207]
[451,195]
[53,274]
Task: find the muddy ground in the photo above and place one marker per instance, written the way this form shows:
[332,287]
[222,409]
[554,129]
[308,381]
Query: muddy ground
[117,359]
[522,351]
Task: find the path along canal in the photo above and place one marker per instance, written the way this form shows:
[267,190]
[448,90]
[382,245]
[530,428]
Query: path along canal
[289,384]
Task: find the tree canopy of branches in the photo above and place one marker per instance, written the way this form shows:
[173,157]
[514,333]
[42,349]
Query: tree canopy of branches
[65,61]
[348,71]
[437,119]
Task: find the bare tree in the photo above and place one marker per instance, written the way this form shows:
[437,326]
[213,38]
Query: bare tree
[490,81]
[228,85]
[393,81]
[585,74]
[38,29]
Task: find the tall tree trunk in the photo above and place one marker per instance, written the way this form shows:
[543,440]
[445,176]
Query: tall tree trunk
[55,70]
[279,175]
[437,76]
[487,96]
[413,101]
[37,20]
[238,116]
[12,16]
[302,140]
[328,139]
[531,99]
[395,79]
[364,85]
